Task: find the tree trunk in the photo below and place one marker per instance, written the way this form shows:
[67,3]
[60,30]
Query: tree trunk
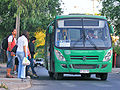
[18,24]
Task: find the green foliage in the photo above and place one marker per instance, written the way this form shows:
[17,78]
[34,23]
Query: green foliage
[33,14]
[39,43]
[111,9]
[7,19]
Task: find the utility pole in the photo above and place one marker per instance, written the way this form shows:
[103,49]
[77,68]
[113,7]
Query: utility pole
[18,24]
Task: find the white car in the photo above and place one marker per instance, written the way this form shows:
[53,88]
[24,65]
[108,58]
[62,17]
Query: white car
[39,61]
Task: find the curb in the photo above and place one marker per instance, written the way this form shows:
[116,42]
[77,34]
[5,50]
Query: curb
[12,83]
[115,70]
[15,83]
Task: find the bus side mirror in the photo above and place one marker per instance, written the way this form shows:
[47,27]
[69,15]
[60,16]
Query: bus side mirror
[111,29]
[50,29]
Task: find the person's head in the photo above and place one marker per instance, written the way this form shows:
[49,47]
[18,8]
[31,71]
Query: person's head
[26,34]
[64,32]
[32,39]
[90,33]
[14,32]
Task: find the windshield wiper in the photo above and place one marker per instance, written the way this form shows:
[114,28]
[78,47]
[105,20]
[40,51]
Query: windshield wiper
[91,42]
[76,42]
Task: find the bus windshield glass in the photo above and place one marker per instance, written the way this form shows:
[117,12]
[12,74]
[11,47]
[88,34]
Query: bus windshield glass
[83,33]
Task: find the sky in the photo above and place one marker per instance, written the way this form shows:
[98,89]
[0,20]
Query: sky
[80,6]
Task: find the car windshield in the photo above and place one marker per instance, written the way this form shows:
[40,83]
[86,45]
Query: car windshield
[39,59]
[91,33]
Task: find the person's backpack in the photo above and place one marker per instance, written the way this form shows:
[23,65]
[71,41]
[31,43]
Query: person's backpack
[5,43]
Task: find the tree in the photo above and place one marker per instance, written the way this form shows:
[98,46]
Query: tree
[111,9]
[33,14]
[7,17]
[40,42]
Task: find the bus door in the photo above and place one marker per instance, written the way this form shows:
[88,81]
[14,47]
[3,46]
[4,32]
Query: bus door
[51,49]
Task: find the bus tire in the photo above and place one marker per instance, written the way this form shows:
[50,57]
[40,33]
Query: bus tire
[58,76]
[97,75]
[51,74]
[103,76]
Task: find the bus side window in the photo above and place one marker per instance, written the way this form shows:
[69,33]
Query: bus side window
[52,38]
[48,40]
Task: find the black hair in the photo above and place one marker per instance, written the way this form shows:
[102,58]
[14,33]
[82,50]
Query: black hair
[32,38]
[25,33]
[13,29]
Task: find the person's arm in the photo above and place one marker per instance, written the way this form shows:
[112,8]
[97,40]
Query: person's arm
[10,38]
[10,49]
[31,47]
[9,46]
[29,53]
[24,48]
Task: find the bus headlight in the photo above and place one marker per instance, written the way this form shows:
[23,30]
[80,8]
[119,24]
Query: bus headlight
[108,56]
[59,55]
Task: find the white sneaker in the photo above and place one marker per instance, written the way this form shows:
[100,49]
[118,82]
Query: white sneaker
[28,77]
[15,72]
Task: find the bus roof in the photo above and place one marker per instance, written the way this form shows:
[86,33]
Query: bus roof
[86,16]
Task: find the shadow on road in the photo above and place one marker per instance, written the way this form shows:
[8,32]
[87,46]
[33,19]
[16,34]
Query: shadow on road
[43,75]
[68,78]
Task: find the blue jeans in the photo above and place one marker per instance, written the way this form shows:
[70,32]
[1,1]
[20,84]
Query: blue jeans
[21,68]
[31,65]
[10,60]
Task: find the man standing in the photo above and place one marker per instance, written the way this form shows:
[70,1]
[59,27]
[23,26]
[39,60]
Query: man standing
[10,55]
[32,52]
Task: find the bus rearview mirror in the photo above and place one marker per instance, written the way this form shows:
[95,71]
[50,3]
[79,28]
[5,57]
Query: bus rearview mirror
[111,29]
[50,29]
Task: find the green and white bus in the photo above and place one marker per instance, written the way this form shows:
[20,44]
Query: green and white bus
[79,44]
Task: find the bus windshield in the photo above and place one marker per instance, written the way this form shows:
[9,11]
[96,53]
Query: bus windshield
[83,33]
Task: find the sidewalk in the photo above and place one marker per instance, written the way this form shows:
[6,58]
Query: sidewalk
[115,70]
[12,83]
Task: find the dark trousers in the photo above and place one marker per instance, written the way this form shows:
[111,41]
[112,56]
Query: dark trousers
[32,67]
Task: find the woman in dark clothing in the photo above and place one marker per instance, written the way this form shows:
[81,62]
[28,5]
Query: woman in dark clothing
[32,52]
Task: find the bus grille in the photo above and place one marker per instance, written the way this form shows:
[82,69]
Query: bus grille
[81,66]
[84,57]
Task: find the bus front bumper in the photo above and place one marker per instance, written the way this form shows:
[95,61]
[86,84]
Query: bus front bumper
[84,67]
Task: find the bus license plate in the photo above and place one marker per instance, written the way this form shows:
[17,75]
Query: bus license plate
[84,71]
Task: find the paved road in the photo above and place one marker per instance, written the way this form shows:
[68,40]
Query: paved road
[74,82]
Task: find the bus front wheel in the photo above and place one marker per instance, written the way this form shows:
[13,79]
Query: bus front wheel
[58,76]
[103,76]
